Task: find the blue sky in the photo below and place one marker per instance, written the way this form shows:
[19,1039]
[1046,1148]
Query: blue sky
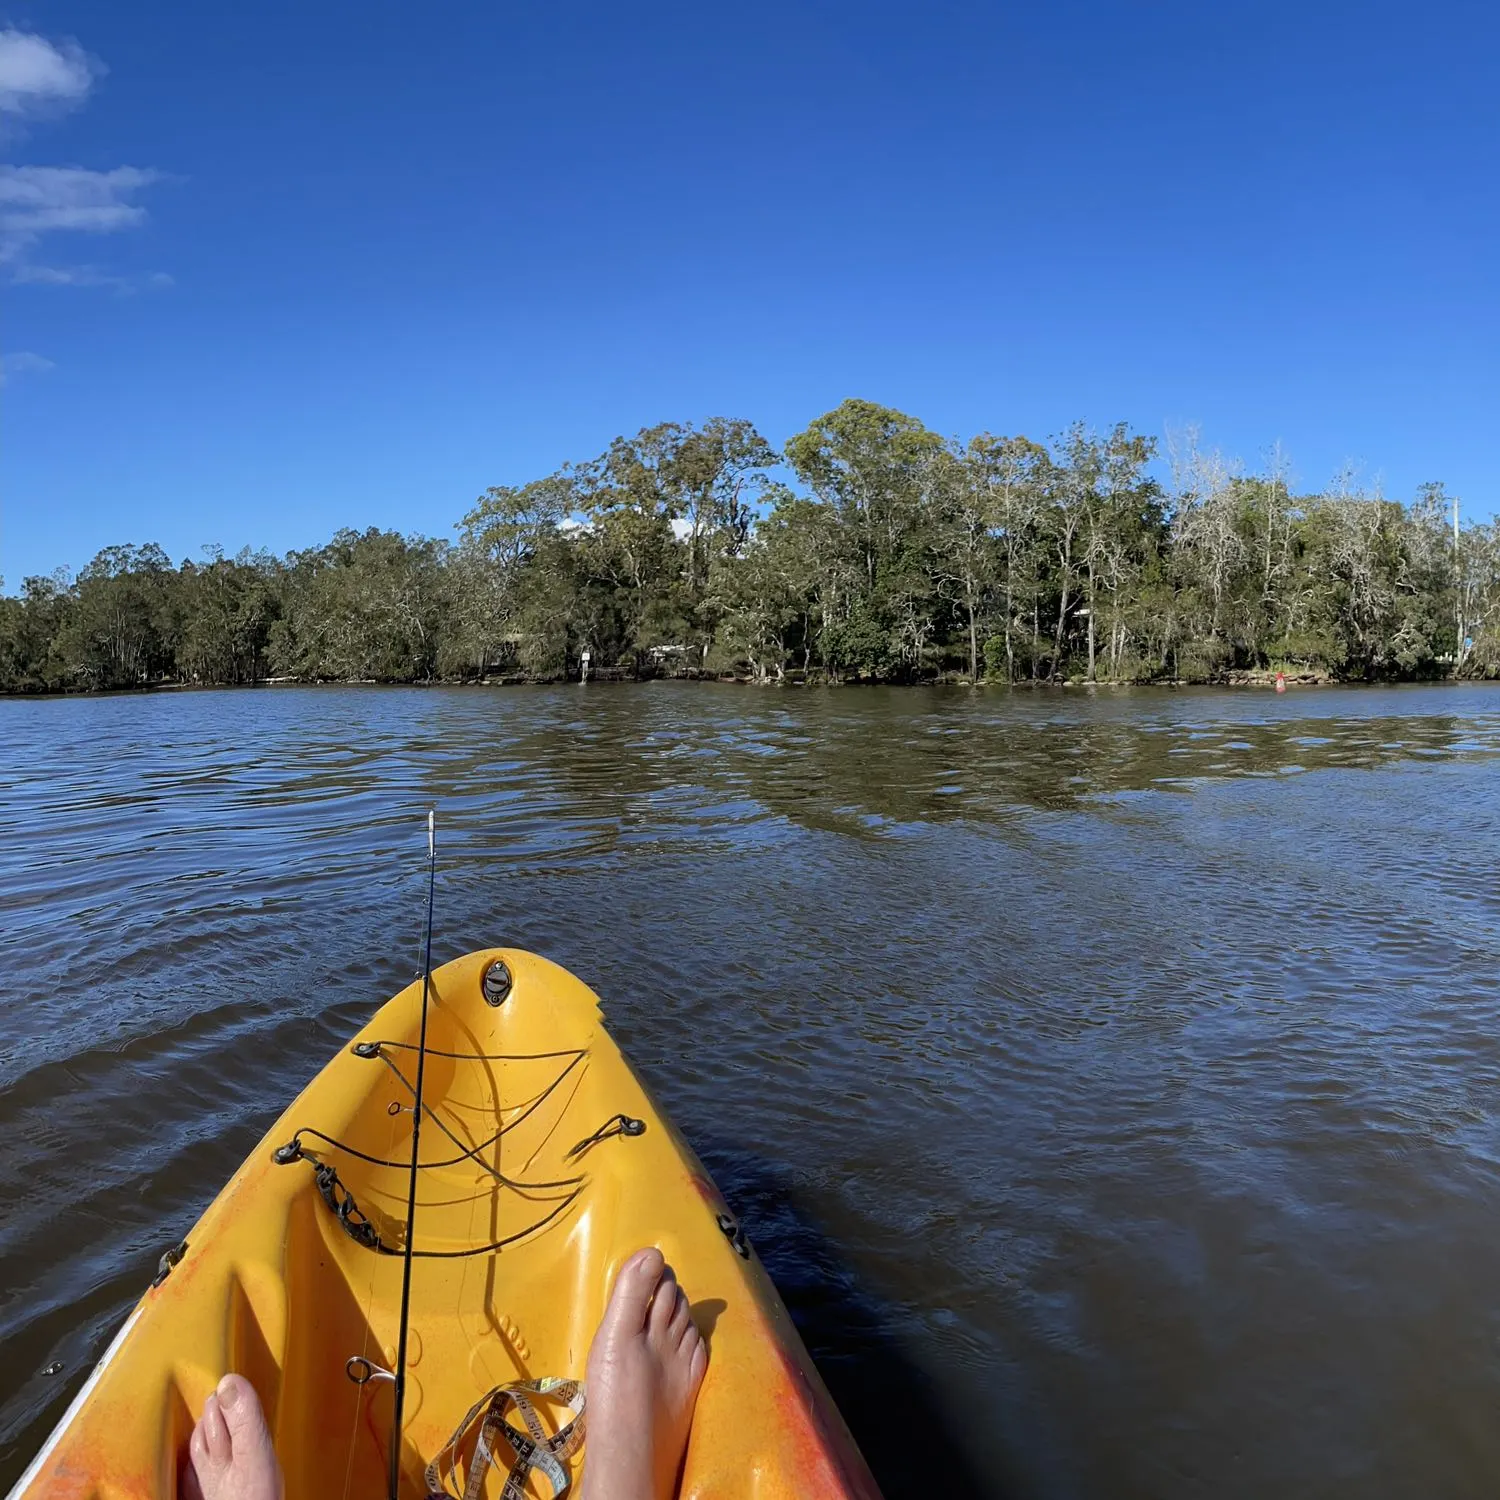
[267,270]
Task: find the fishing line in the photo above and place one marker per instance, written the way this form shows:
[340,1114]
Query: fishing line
[394,1477]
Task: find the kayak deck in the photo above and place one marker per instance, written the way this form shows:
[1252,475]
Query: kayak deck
[544,1164]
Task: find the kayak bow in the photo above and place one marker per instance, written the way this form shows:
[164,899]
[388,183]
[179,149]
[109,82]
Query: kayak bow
[544,1164]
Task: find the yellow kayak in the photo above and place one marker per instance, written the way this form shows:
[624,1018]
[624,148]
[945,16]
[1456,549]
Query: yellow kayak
[544,1164]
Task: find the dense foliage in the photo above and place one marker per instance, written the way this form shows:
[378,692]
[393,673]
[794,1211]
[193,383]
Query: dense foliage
[897,555]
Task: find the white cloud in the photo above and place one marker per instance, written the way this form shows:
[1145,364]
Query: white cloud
[45,200]
[38,76]
[58,276]
[27,274]
[23,362]
[37,200]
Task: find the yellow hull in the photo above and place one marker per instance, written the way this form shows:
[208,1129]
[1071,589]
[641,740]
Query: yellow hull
[275,1285]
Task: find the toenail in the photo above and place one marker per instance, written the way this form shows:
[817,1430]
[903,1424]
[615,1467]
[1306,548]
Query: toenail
[229,1393]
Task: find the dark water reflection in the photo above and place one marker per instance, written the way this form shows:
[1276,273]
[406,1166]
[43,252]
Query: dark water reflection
[1109,1081]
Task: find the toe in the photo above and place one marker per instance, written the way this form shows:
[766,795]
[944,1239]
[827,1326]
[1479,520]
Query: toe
[664,1304]
[189,1486]
[699,1364]
[198,1445]
[682,1319]
[241,1412]
[637,1280]
[215,1432]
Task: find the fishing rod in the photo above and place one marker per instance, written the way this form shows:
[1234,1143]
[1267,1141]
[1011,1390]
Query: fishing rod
[394,1479]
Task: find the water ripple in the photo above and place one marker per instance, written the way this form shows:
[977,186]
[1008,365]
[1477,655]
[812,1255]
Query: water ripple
[1108,1079]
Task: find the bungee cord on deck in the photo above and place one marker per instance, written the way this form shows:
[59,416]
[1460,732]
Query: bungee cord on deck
[362,1230]
[293,1150]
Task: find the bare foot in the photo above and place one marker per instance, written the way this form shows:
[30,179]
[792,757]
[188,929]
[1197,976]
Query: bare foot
[644,1370]
[230,1456]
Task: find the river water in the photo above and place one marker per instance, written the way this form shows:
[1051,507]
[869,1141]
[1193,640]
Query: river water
[1107,1080]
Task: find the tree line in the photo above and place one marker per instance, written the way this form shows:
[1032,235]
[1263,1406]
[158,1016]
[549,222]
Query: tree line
[868,548]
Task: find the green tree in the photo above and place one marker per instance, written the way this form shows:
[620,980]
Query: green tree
[120,630]
[226,608]
[1013,476]
[872,467]
[503,608]
[365,607]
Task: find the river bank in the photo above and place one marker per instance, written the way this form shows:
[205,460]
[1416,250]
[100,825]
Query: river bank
[1255,678]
